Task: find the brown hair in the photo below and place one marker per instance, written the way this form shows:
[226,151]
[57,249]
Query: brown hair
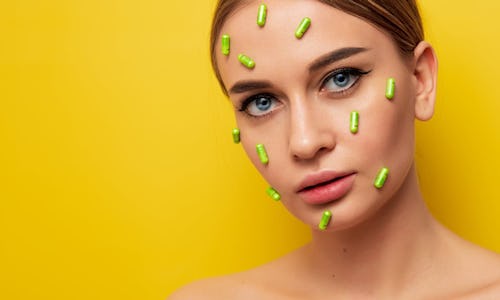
[399,18]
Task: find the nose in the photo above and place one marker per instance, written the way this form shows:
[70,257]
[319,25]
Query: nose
[311,133]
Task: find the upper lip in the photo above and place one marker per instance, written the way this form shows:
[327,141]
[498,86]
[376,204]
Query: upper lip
[319,178]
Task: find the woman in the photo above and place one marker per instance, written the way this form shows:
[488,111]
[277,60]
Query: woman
[332,108]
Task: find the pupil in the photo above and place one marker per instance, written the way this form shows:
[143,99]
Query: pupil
[341,79]
[263,103]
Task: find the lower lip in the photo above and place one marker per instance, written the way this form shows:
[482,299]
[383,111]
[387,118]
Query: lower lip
[328,192]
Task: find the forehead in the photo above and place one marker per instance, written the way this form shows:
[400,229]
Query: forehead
[274,47]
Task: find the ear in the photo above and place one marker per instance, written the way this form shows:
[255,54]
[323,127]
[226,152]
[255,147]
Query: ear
[425,74]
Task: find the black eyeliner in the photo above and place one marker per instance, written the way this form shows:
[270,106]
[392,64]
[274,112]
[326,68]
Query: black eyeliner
[351,71]
[244,104]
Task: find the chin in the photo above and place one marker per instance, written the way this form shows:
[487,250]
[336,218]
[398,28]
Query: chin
[348,213]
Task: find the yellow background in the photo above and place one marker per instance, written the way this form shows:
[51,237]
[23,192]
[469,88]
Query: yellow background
[118,176]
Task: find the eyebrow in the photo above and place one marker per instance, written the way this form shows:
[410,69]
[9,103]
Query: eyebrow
[324,60]
[334,56]
[248,85]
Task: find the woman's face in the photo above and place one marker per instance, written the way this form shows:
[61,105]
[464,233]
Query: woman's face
[298,99]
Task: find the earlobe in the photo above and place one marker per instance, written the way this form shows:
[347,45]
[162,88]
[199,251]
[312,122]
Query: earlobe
[425,73]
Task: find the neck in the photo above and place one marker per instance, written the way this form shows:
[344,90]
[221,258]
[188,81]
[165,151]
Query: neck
[386,252]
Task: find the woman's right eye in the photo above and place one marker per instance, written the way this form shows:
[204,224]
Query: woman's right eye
[259,105]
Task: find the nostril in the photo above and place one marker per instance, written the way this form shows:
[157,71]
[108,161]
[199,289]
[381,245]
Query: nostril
[312,150]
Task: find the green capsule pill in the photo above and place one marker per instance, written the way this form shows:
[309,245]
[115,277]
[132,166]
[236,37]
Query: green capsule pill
[273,194]
[261,151]
[226,44]
[381,178]
[354,122]
[390,89]
[236,135]
[325,220]
[262,15]
[246,61]
[302,28]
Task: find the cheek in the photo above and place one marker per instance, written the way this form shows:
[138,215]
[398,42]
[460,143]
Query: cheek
[250,138]
[388,130]
[250,147]
[272,136]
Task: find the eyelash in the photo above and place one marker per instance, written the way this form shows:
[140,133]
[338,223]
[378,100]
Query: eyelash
[350,71]
[244,105]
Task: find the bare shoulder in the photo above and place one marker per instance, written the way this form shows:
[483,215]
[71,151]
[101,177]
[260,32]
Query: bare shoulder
[239,286]
[492,291]
[212,288]
[484,272]
[488,291]
[258,283]
[491,287]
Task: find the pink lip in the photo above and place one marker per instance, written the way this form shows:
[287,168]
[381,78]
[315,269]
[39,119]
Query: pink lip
[325,187]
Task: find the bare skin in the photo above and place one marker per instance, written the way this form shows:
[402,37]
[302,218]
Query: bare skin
[381,244]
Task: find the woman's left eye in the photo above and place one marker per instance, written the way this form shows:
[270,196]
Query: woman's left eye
[341,80]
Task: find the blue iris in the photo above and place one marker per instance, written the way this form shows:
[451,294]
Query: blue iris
[263,103]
